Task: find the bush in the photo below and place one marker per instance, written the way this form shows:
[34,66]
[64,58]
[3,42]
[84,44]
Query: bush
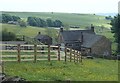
[22,23]
[8,36]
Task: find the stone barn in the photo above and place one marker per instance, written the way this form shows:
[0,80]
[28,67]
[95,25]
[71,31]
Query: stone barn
[85,41]
[44,39]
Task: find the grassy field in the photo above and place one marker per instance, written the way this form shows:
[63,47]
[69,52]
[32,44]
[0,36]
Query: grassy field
[89,70]
[68,19]
[27,31]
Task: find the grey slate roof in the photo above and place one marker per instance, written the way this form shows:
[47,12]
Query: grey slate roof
[89,37]
[39,36]
[74,34]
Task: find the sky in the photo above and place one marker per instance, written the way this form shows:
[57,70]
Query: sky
[67,6]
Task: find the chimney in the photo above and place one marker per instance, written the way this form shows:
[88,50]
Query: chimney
[92,27]
[81,37]
[61,29]
[39,33]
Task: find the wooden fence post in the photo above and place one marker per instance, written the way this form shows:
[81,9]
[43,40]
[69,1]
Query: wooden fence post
[49,53]
[58,52]
[18,49]
[74,55]
[77,55]
[65,53]
[70,54]
[80,57]
[2,65]
[35,53]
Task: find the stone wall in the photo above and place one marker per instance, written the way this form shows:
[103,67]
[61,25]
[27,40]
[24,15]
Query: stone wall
[102,47]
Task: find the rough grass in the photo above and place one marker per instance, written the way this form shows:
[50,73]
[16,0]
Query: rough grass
[89,70]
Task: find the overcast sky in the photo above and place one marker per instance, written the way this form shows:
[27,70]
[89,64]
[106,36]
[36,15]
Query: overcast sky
[70,6]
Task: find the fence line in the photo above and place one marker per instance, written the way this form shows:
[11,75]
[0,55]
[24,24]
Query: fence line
[70,54]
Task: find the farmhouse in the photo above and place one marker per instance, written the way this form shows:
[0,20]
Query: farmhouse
[85,41]
[44,38]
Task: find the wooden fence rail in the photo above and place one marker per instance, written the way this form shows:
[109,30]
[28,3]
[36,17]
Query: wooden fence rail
[19,50]
[35,50]
[73,55]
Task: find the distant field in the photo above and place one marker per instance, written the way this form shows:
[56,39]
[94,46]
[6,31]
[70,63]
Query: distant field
[90,70]
[27,31]
[68,19]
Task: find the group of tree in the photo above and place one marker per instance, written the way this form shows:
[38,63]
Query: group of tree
[56,23]
[6,18]
[32,21]
[116,30]
[109,18]
[35,21]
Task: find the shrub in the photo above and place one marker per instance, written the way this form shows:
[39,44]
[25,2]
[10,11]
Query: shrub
[8,36]
[22,23]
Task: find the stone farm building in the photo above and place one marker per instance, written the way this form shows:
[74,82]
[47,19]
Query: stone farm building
[44,39]
[85,41]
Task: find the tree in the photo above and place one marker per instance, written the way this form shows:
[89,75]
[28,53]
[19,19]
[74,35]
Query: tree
[108,18]
[49,23]
[35,21]
[116,30]
[22,23]
[16,18]
[43,23]
[31,21]
[57,23]
[8,36]
[6,18]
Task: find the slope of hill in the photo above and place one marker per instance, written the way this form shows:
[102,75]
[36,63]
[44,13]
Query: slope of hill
[68,19]
[27,31]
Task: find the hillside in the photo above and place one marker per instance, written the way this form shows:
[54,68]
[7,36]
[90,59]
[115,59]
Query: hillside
[27,31]
[68,19]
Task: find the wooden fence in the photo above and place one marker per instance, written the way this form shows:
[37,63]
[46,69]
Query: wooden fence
[72,55]
[49,52]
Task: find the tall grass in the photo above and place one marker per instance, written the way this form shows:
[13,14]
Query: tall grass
[89,70]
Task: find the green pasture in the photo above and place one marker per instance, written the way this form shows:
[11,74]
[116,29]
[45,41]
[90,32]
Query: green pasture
[88,70]
[27,31]
[68,19]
